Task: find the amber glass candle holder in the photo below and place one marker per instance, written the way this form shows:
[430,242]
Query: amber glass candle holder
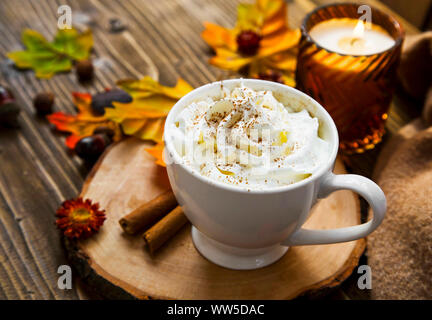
[355,90]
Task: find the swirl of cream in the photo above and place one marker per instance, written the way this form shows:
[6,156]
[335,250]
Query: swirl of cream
[249,139]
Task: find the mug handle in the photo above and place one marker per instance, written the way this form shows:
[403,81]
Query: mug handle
[368,189]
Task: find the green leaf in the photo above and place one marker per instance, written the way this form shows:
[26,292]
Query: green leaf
[47,58]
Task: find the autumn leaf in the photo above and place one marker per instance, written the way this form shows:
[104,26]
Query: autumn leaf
[144,117]
[219,37]
[147,87]
[157,152]
[47,58]
[84,123]
[266,16]
[277,43]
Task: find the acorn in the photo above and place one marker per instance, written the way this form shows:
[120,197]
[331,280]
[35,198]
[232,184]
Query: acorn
[90,148]
[43,103]
[9,110]
[84,70]
[103,100]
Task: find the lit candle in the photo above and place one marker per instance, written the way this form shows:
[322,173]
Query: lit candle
[351,36]
[349,66]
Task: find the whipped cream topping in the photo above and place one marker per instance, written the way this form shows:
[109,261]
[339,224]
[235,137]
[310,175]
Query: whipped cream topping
[248,138]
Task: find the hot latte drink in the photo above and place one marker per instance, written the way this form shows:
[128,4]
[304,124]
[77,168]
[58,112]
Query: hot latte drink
[249,139]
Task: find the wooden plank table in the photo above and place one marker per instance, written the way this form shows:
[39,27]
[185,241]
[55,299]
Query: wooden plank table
[37,172]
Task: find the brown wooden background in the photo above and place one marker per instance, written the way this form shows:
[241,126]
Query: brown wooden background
[37,172]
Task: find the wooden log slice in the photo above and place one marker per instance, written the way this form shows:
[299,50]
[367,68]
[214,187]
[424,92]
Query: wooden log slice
[119,266]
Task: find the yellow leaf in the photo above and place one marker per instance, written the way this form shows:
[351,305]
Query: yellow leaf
[229,60]
[270,7]
[152,130]
[132,110]
[263,17]
[249,17]
[144,117]
[147,87]
[132,126]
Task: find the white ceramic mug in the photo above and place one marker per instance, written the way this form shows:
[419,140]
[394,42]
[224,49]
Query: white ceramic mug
[241,229]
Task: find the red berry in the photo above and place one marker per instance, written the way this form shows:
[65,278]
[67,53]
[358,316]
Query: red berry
[90,148]
[248,42]
[43,103]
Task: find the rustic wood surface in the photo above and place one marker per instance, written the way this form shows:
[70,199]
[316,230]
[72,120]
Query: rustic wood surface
[178,271]
[37,172]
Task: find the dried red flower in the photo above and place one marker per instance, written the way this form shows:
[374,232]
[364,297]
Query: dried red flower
[248,42]
[271,75]
[79,218]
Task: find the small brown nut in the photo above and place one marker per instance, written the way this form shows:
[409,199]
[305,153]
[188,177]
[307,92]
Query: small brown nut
[84,70]
[43,103]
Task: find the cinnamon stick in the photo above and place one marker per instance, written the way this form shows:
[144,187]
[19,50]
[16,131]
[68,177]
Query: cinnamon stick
[162,231]
[148,213]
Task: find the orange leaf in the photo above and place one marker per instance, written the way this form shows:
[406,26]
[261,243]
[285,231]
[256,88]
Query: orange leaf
[279,42]
[83,102]
[72,140]
[219,37]
[289,79]
[84,123]
[267,18]
[157,152]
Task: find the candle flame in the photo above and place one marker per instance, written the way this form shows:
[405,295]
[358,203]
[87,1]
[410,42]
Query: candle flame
[359,29]
[355,43]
